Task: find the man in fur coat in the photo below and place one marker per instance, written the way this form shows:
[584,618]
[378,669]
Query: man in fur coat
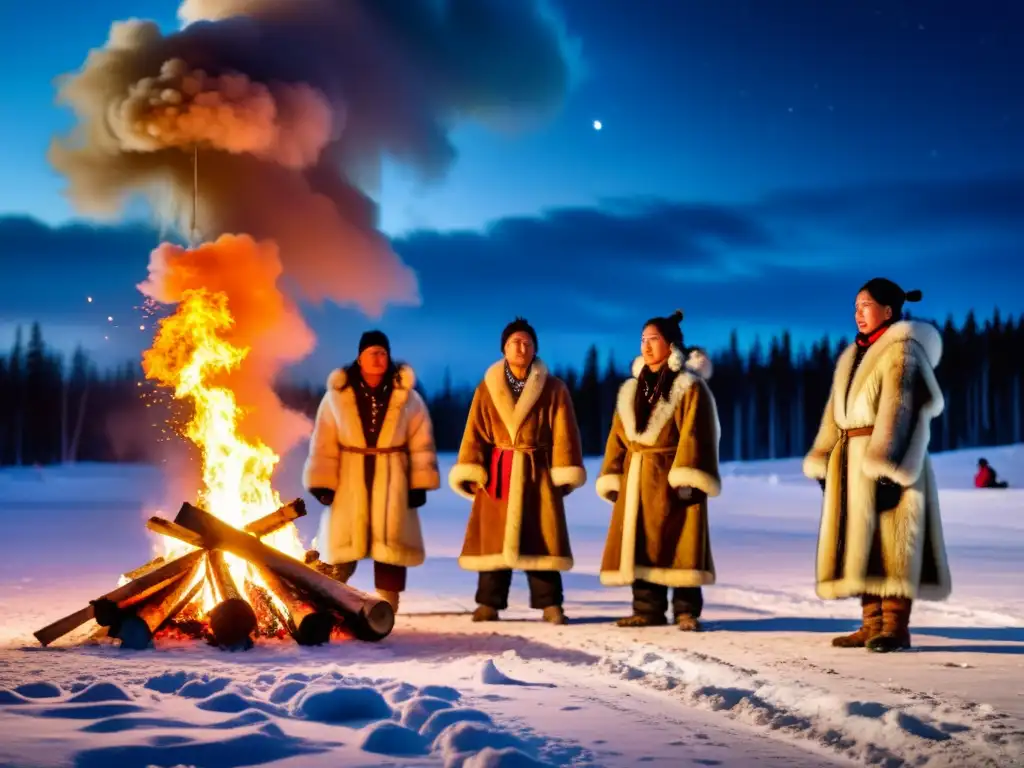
[371,461]
[521,454]
[660,466]
[881,534]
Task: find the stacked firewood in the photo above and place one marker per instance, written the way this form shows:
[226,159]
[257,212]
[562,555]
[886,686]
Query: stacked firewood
[289,594]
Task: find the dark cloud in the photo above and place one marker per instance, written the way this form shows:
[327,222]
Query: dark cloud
[598,272]
[23,237]
[995,204]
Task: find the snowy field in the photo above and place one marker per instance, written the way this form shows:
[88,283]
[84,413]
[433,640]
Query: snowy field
[762,686]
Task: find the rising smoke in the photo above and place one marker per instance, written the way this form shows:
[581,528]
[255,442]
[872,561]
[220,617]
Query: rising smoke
[266,328]
[292,104]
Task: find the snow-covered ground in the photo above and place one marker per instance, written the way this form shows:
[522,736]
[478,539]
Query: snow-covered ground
[762,686]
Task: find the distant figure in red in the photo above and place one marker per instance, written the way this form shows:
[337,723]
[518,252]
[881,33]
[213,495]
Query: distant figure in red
[986,476]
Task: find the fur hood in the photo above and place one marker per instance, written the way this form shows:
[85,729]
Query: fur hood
[697,362]
[338,379]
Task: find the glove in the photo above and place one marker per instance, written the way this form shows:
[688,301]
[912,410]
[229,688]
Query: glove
[417,497]
[690,494]
[887,494]
[821,482]
[324,495]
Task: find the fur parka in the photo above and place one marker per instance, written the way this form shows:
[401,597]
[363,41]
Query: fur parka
[524,529]
[379,524]
[656,535]
[875,538]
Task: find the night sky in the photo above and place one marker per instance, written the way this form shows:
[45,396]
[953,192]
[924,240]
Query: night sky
[757,162]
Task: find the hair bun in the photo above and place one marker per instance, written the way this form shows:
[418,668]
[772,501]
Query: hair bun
[676,317]
[914,295]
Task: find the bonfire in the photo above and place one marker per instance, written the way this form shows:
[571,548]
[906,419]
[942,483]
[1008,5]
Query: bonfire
[231,566]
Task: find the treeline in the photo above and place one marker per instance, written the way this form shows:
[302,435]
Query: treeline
[769,398]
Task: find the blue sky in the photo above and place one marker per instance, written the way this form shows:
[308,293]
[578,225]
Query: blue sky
[757,163]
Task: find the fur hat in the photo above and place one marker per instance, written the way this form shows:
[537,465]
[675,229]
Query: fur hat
[669,328]
[888,294]
[516,326]
[374,339]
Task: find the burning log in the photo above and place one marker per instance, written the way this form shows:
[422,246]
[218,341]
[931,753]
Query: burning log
[374,617]
[110,604]
[142,570]
[277,519]
[264,526]
[308,623]
[169,529]
[232,620]
[136,631]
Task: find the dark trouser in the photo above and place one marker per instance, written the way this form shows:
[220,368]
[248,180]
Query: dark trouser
[390,578]
[545,589]
[650,600]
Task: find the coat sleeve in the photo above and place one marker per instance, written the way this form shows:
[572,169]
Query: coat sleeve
[323,465]
[471,467]
[423,473]
[696,460]
[816,461]
[609,482]
[567,470]
[908,401]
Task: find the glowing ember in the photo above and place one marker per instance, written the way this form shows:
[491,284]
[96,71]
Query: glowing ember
[189,352]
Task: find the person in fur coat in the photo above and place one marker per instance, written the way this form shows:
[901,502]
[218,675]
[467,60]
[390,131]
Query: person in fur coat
[881,534]
[521,454]
[660,467]
[371,461]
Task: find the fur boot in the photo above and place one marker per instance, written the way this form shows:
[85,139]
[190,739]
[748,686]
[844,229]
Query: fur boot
[485,613]
[642,621]
[895,634]
[391,597]
[688,623]
[871,624]
[554,614]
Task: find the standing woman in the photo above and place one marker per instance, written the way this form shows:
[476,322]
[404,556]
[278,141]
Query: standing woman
[881,534]
[660,466]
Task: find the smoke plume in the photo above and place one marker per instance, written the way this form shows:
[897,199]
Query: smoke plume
[266,327]
[291,105]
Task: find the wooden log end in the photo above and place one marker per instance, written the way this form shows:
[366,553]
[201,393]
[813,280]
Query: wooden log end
[315,629]
[232,623]
[375,623]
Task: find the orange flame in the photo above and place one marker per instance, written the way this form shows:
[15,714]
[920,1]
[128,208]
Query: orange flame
[188,354]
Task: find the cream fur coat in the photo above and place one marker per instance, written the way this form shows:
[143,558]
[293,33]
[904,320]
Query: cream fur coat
[379,525]
[864,547]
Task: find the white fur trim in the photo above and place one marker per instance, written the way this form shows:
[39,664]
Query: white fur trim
[680,477]
[338,378]
[697,362]
[815,465]
[514,412]
[607,485]
[661,414]
[573,477]
[466,473]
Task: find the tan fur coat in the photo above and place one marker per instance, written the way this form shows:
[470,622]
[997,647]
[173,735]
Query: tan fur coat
[380,525]
[654,534]
[895,552]
[526,529]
